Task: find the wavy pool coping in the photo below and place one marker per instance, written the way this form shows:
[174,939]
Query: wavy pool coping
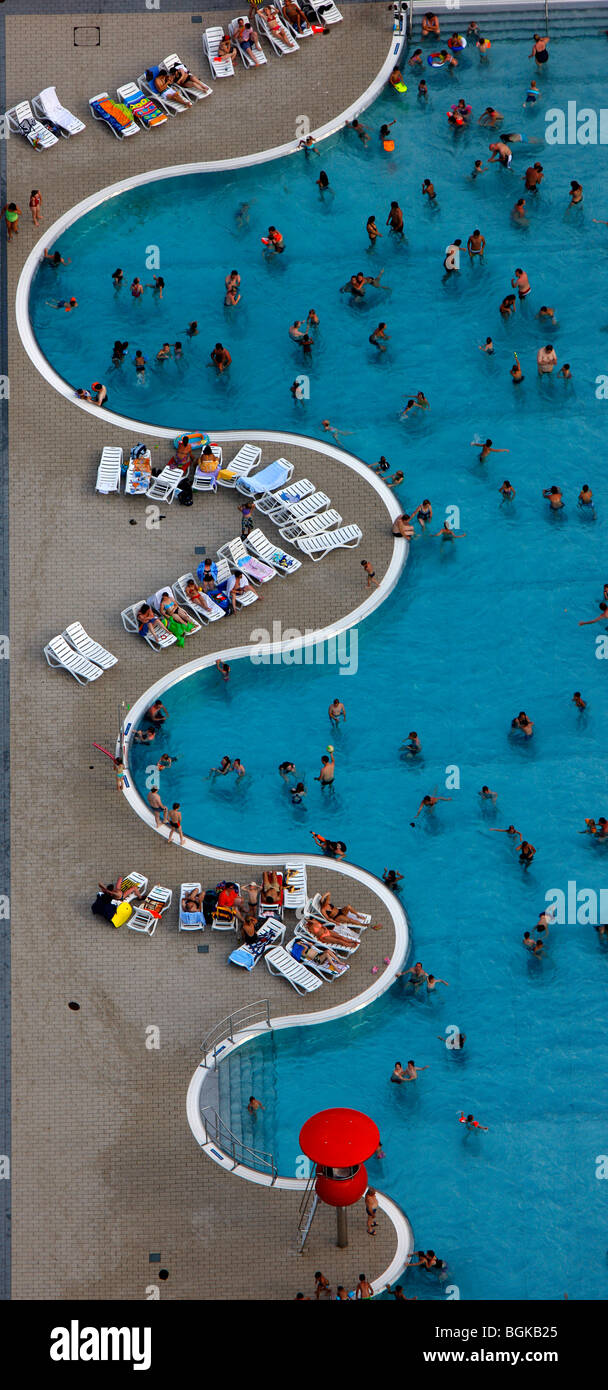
[113,190]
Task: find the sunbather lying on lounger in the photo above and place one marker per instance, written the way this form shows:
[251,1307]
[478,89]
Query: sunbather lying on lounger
[197,596]
[226,48]
[192,901]
[236,587]
[340,915]
[161,82]
[272,20]
[300,951]
[271,886]
[324,934]
[149,623]
[169,608]
[295,16]
[246,36]
[182,76]
[116,890]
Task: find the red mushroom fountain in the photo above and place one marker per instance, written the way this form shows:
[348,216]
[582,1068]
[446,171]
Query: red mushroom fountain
[338,1142]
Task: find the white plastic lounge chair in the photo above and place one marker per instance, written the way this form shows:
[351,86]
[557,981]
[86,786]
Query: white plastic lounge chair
[143,919]
[190,921]
[327,11]
[220,67]
[85,646]
[164,487]
[164,99]
[223,919]
[297,33]
[281,962]
[133,883]
[275,40]
[130,624]
[205,615]
[223,573]
[155,601]
[138,477]
[58,653]
[282,562]
[314,526]
[247,58]
[143,107]
[325,969]
[109,471]
[22,121]
[249,565]
[119,128]
[295,886]
[207,482]
[241,465]
[271,502]
[248,955]
[48,106]
[271,477]
[300,510]
[313,909]
[317,547]
[195,93]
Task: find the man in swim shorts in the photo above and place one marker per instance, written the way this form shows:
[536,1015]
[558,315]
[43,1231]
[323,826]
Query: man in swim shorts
[501,152]
[521,283]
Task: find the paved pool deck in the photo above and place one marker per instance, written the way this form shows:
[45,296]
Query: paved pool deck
[105,1169]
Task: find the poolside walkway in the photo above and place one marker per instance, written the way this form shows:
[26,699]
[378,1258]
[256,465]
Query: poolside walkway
[105,1168]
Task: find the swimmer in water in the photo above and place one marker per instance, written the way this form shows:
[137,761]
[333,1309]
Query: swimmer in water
[428,803]
[471,1123]
[477,169]
[233,288]
[451,264]
[526,854]
[487,795]
[428,191]
[486,448]
[532,95]
[502,153]
[411,1072]
[508,306]
[516,371]
[507,491]
[356,285]
[533,177]
[396,479]
[360,130]
[192,329]
[565,372]
[416,59]
[521,283]
[431,983]
[379,337]
[585,499]
[546,313]
[372,230]
[416,972]
[540,51]
[507,830]
[522,722]
[554,497]
[476,245]
[577,700]
[488,347]
[546,359]
[601,617]
[590,827]
[448,533]
[412,745]
[395,219]
[331,429]
[531,944]
[518,213]
[241,215]
[424,513]
[423,94]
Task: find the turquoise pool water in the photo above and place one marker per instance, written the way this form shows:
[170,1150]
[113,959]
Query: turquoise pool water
[471,636]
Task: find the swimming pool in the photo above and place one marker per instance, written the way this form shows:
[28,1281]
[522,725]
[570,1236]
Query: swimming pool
[472,635]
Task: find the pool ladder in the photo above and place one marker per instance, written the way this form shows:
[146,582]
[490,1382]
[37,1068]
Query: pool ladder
[306,1215]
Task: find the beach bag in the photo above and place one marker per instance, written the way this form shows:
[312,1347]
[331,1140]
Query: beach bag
[184,493]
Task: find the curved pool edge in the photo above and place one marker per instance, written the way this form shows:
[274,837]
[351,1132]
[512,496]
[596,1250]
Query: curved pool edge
[113,190]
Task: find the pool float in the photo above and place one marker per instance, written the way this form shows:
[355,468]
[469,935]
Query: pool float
[435,60]
[457,47]
[196,438]
[399,86]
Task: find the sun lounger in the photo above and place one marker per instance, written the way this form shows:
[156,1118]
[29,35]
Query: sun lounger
[207,481]
[130,624]
[272,554]
[281,962]
[313,909]
[223,573]
[275,475]
[241,465]
[294,886]
[195,93]
[266,908]
[85,646]
[144,109]
[109,471]
[48,107]
[164,99]
[102,108]
[278,43]
[247,54]
[190,921]
[314,526]
[223,919]
[220,67]
[317,547]
[164,487]
[205,615]
[59,654]
[249,565]
[271,502]
[297,33]
[252,951]
[146,918]
[132,884]
[326,969]
[22,121]
[139,471]
[326,10]
[300,509]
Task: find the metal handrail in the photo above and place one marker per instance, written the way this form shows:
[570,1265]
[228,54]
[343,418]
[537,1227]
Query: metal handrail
[304,1204]
[409,28]
[308,1207]
[547,15]
[218,1133]
[224,1030]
